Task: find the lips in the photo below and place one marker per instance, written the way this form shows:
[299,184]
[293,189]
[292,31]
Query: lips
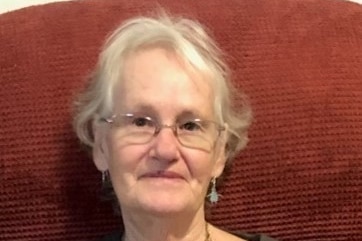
[162,174]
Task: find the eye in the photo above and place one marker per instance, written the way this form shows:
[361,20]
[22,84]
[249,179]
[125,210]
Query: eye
[191,126]
[142,121]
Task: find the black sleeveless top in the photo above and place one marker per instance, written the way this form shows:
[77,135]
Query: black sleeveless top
[249,237]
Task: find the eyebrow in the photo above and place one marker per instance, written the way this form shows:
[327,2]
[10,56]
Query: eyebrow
[143,108]
[150,110]
[189,113]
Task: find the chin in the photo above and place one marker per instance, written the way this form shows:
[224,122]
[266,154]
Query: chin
[165,204]
[161,199]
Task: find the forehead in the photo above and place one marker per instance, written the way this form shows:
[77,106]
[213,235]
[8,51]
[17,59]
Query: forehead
[158,79]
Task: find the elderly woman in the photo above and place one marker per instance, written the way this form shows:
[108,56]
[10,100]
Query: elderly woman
[159,120]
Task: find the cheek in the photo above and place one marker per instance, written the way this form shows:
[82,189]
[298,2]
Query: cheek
[199,163]
[124,158]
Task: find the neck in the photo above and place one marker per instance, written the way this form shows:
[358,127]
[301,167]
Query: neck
[173,227]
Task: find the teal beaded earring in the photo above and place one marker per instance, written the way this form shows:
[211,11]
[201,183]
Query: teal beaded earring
[213,196]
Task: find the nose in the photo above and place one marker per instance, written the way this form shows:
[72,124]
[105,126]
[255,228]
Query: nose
[166,145]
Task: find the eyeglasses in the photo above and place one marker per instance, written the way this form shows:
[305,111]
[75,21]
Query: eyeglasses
[192,133]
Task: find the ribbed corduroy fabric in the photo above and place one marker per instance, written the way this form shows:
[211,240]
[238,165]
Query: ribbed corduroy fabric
[300,63]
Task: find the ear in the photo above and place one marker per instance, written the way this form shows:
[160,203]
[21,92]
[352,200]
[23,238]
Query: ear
[219,165]
[100,155]
[220,154]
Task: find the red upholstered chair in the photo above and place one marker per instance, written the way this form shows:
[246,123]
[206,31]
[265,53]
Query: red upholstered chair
[299,61]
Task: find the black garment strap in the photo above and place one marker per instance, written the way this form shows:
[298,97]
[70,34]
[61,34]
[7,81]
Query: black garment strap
[254,237]
[116,236]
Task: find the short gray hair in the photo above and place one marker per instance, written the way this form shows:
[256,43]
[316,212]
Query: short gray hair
[188,40]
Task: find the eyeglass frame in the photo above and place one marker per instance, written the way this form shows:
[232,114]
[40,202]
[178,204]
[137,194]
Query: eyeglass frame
[174,127]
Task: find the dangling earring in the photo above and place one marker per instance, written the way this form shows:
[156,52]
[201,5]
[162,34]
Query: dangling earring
[107,192]
[213,196]
[105,177]
[106,189]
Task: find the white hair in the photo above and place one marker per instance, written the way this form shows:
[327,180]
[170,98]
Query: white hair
[189,41]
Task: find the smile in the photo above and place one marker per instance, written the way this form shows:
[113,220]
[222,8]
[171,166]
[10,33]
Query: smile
[162,174]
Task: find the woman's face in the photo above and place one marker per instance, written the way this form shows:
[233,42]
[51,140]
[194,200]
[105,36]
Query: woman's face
[161,176]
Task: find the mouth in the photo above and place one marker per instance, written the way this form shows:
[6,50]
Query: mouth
[162,174]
